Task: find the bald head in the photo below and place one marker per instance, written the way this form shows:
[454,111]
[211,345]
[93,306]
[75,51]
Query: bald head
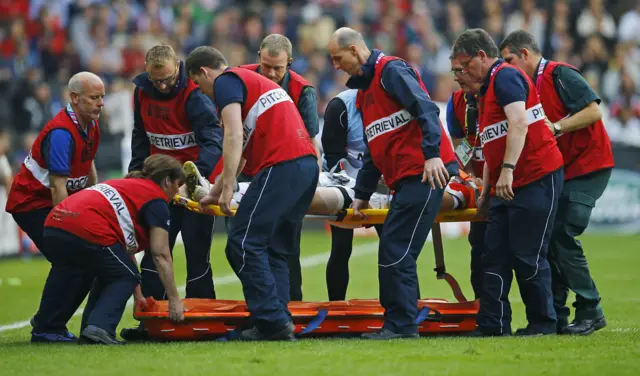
[83,80]
[86,92]
[348,50]
[345,37]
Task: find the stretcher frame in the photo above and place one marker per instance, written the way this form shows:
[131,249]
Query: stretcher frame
[207,319]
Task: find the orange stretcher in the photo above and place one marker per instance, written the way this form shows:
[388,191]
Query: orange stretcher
[207,319]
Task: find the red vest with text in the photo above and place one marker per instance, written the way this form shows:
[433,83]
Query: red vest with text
[297,83]
[540,155]
[273,129]
[393,135]
[108,213]
[585,150]
[31,187]
[168,126]
[460,108]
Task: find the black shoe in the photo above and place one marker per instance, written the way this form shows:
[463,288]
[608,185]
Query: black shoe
[530,332]
[385,334]
[134,334]
[585,327]
[92,335]
[253,334]
[479,333]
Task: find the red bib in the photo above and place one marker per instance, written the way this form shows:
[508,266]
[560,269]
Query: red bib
[108,213]
[393,135]
[297,83]
[273,129]
[540,155]
[584,151]
[31,189]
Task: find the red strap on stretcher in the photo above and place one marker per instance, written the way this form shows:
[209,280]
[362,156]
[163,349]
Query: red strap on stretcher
[440,269]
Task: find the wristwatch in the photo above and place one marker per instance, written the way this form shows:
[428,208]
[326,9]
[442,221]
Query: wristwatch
[557,129]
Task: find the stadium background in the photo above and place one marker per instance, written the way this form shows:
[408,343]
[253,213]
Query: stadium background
[44,42]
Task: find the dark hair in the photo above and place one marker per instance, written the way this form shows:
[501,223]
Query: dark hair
[518,40]
[204,56]
[158,167]
[472,41]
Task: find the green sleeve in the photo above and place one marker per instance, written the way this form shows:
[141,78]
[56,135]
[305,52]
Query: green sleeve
[573,90]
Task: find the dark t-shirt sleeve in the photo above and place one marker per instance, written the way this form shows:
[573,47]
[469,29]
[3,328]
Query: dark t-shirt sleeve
[334,132]
[510,86]
[573,90]
[228,89]
[156,214]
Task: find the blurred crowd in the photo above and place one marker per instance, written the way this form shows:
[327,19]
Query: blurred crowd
[44,42]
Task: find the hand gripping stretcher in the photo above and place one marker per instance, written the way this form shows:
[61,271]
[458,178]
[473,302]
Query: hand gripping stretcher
[222,319]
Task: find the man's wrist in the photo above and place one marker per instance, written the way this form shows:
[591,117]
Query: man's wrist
[557,129]
[508,166]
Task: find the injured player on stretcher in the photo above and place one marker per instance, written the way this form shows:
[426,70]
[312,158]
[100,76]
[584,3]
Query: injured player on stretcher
[335,192]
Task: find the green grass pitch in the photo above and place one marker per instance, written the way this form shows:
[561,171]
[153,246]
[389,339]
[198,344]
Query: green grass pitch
[615,350]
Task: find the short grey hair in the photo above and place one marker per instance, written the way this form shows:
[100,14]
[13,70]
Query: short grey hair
[473,41]
[276,43]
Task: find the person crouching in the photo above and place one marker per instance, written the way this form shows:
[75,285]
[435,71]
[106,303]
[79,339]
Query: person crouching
[92,237]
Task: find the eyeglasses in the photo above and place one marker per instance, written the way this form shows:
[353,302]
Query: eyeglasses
[166,80]
[462,71]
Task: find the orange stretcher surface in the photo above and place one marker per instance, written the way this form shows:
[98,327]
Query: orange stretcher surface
[213,319]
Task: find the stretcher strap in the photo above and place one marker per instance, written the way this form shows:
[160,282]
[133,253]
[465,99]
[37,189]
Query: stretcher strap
[315,322]
[440,269]
[423,315]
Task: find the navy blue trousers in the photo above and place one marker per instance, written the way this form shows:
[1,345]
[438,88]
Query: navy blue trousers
[517,239]
[197,234]
[411,214]
[32,223]
[262,238]
[295,268]
[476,240]
[79,268]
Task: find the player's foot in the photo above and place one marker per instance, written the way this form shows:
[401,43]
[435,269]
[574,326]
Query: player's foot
[193,181]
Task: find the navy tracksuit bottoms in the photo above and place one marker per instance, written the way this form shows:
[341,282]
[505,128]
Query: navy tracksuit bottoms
[79,268]
[476,240]
[261,239]
[197,234]
[517,239]
[410,218]
[32,223]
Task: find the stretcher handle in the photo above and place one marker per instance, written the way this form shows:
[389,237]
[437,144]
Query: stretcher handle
[194,206]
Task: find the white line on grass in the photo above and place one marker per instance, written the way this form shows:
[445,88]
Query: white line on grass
[306,262]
